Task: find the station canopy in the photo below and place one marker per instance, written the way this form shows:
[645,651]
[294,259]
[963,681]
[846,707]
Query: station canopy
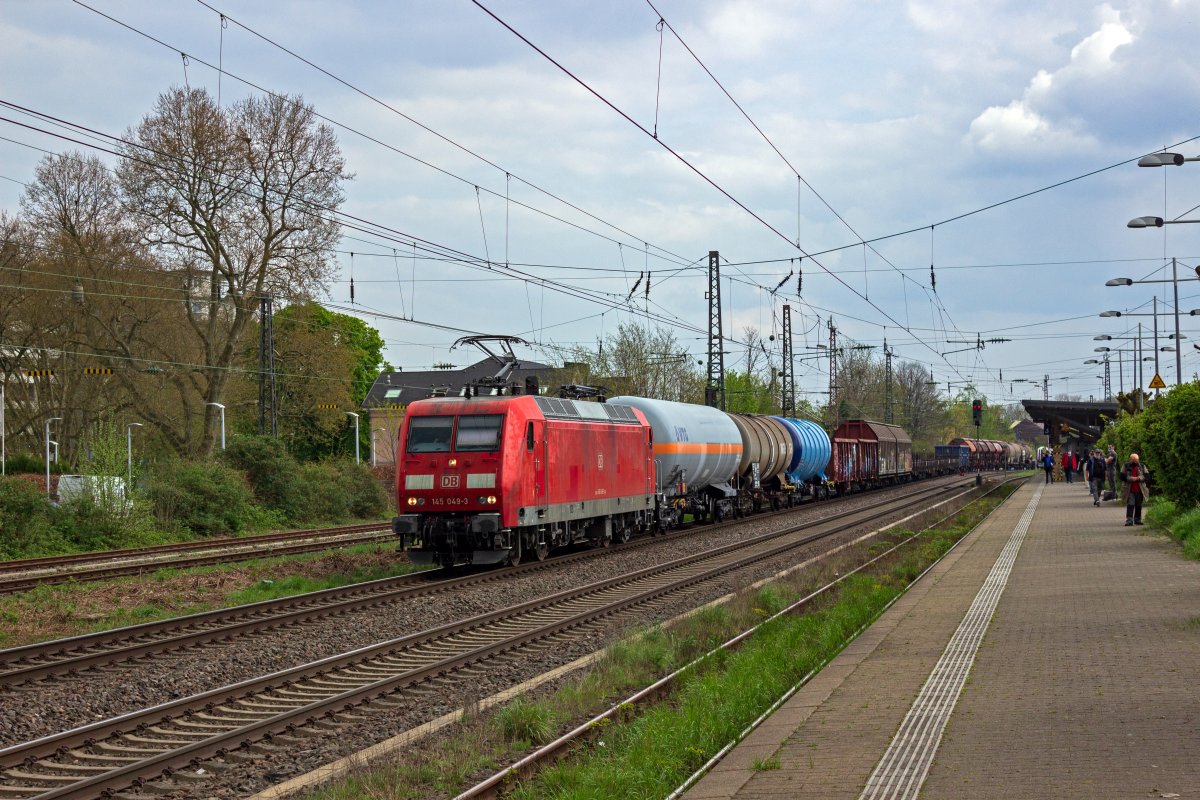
[1072,420]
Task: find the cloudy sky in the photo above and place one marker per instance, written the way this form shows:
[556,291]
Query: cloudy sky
[996,141]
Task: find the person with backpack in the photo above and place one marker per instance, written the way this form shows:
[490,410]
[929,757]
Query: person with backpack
[1048,465]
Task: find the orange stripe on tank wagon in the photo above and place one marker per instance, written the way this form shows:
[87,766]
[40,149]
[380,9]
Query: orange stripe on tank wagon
[697,447]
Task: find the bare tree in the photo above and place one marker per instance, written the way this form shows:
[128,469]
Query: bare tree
[73,203]
[922,409]
[643,361]
[240,203]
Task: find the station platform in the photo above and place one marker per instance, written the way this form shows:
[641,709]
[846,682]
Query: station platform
[1054,653]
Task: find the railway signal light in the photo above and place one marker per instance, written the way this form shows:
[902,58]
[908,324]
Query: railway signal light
[977,411]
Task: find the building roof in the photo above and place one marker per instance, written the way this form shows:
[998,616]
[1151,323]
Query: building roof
[401,388]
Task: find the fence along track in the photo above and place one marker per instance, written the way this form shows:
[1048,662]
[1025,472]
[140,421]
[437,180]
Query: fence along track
[118,753]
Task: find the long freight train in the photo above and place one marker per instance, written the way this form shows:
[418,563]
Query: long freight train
[495,479]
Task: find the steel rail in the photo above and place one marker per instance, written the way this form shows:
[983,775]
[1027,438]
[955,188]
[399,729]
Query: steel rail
[196,719]
[99,556]
[24,582]
[527,765]
[22,665]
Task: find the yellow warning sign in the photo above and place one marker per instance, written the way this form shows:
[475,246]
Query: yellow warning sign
[1157,383]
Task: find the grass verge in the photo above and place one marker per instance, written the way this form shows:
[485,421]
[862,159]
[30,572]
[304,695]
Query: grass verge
[71,609]
[649,751]
[1182,525]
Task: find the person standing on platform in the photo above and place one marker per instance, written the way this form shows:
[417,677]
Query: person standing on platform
[1068,464]
[1095,468]
[1110,470]
[1048,465]
[1134,476]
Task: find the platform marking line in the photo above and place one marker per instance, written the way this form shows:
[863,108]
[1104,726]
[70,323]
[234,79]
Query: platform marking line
[903,768]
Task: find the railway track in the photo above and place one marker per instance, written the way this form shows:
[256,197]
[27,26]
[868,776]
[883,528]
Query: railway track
[116,754]
[25,666]
[26,574]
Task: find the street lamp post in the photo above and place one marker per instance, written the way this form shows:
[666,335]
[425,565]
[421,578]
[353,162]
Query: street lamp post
[1194,313]
[352,414]
[129,454]
[52,419]
[221,408]
[374,433]
[3,451]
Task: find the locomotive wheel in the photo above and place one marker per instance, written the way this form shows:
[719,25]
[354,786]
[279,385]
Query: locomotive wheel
[541,550]
[514,555]
[624,534]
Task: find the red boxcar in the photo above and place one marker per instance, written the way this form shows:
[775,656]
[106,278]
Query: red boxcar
[487,480]
[867,453]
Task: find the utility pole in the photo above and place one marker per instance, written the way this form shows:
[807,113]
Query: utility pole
[1178,338]
[833,398]
[789,375]
[1107,378]
[266,370]
[714,391]
[1045,387]
[887,386]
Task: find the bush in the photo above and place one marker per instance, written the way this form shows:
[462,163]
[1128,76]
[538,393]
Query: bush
[29,463]
[274,476]
[365,496]
[324,498]
[203,497]
[88,525]
[1167,436]
[26,521]
[335,491]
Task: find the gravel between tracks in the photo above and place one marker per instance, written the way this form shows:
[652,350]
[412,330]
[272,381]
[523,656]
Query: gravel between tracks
[99,694]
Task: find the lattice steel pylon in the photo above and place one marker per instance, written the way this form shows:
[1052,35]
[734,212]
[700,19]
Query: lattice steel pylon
[266,370]
[833,398]
[1107,378]
[887,386]
[788,372]
[714,391]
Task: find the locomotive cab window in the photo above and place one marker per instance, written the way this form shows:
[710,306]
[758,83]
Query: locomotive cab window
[478,433]
[430,434]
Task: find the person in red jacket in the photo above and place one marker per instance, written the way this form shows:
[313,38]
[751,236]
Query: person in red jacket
[1069,464]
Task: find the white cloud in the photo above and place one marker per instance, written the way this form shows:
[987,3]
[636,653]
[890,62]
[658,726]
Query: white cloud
[1034,123]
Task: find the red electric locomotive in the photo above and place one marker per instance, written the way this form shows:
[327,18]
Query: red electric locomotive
[493,479]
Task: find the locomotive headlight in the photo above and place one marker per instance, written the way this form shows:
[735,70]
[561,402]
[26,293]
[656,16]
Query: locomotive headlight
[491,501]
[412,501]
[453,462]
[416,501]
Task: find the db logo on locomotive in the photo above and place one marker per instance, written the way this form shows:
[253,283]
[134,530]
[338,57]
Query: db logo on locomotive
[449,481]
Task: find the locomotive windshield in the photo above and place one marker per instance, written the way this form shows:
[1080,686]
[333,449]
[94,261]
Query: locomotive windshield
[478,433]
[430,434]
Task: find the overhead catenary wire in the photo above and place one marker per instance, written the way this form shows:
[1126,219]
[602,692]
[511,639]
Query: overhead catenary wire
[355,223]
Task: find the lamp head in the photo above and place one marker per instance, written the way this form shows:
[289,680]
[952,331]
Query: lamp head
[1161,160]
[1110,313]
[1145,222]
[1119,282]
[1102,349]
[1104,337]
